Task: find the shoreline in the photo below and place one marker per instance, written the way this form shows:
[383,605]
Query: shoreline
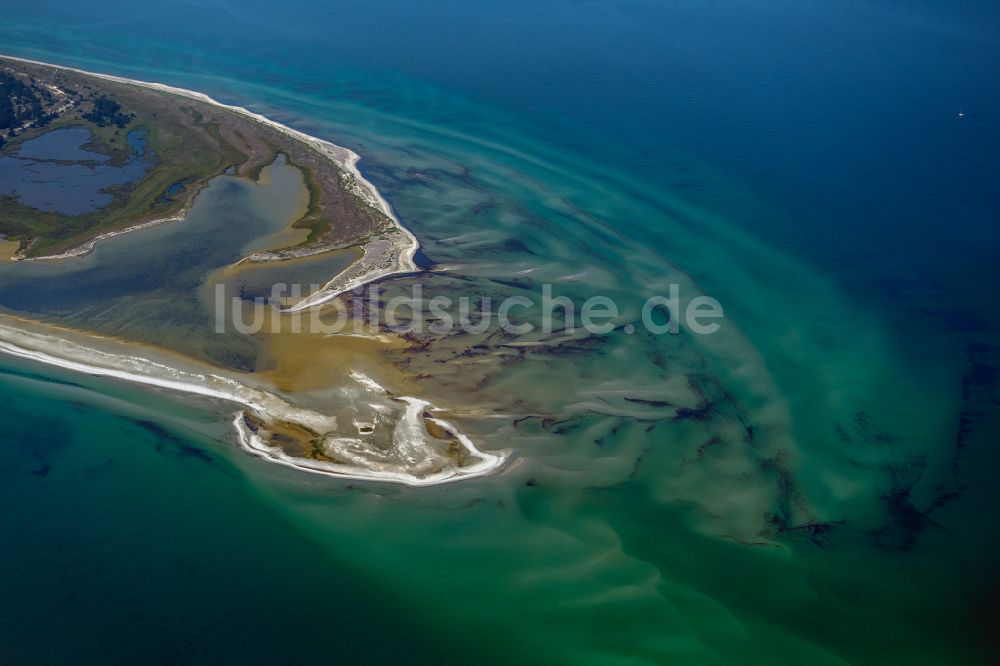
[63,352]
[401,252]
[87,247]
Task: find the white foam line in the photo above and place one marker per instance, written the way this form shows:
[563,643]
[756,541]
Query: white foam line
[69,355]
[250,441]
[366,381]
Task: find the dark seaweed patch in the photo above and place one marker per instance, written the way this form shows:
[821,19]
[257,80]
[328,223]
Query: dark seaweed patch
[702,412]
[38,377]
[651,403]
[168,442]
[819,533]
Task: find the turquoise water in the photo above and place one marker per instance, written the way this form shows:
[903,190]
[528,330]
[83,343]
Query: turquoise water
[803,163]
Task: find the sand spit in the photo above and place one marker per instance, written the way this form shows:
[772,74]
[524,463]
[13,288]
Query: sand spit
[412,457]
[415,462]
[88,247]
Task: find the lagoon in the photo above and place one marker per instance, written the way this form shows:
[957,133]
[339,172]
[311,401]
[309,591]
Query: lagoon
[144,285]
[54,173]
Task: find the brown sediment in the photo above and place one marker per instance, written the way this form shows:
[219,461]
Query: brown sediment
[308,361]
[437,431]
[292,234]
[7,250]
[295,440]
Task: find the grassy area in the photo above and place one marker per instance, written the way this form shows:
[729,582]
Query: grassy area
[311,220]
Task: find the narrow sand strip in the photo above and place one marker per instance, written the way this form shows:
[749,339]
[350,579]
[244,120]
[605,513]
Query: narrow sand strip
[413,461]
[88,246]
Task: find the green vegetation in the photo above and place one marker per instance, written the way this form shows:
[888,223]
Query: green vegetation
[309,220]
[106,112]
[20,105]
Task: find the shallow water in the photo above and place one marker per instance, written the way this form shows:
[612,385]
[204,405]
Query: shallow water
[832,504]
[60,145]
[145,285]
[53,173]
